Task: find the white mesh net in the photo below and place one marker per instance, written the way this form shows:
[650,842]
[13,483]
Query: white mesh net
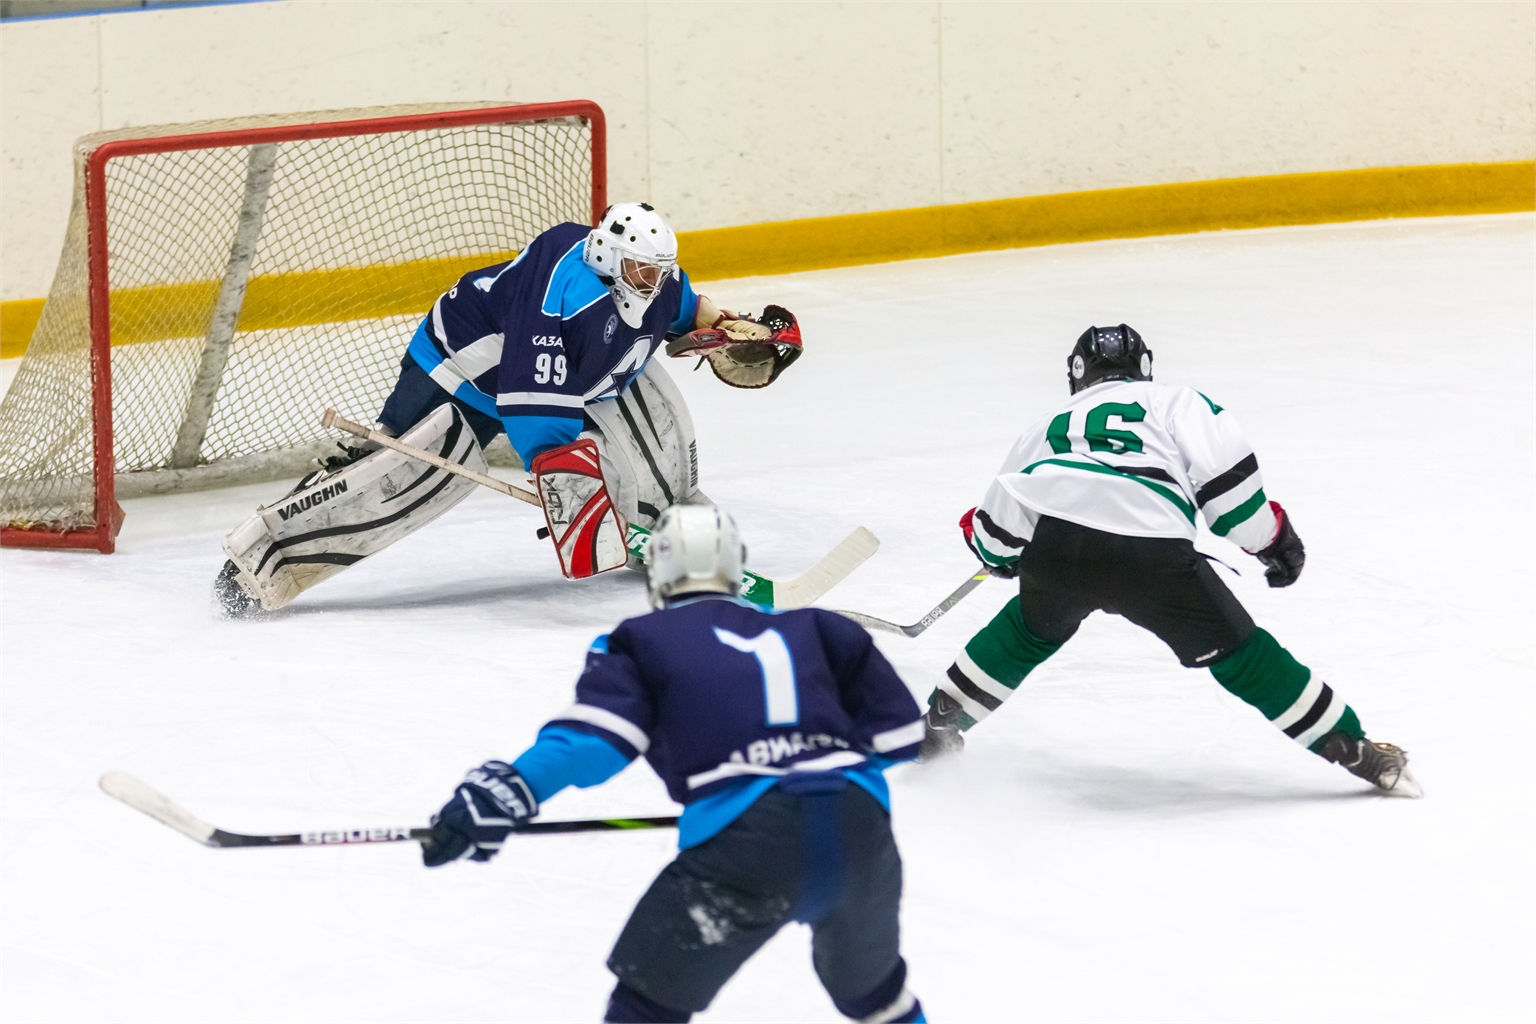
[358,235]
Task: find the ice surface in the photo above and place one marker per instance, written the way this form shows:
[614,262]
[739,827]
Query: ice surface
[1123,841]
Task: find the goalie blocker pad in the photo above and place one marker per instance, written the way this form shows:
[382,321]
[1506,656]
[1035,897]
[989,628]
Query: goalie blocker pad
[338,519]
[588,531]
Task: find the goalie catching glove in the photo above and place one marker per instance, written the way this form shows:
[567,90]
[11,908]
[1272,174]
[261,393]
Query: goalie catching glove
[744,352]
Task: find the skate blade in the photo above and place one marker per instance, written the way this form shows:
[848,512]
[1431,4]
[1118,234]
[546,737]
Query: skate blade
[1407,786]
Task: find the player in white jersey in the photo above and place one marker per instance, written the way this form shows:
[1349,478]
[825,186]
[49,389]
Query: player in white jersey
[1094,509]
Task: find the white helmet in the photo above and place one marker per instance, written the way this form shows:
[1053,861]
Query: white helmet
[693,548]
[633,251]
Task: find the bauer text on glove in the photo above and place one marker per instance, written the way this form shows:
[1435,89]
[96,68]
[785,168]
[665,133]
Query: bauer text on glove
[491,802]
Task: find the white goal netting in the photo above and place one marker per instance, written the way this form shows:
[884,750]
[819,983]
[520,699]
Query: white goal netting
[254,283]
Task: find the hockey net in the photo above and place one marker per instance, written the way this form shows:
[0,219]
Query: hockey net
[223,282]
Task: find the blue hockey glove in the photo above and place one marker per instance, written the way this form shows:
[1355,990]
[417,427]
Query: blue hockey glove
[492,801]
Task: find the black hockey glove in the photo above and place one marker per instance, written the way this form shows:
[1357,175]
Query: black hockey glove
[491,802]
[1285,556]
[1005,571]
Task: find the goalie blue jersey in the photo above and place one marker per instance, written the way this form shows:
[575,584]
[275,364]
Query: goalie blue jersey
[533,340]
[724,699]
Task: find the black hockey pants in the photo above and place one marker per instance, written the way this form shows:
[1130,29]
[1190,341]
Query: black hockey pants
[416,394]
[1160,583]
[827,858]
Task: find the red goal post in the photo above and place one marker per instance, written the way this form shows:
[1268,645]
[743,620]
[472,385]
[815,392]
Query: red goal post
[223,282]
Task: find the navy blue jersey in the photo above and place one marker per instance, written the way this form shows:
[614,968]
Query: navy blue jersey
[533,340]
[724,698]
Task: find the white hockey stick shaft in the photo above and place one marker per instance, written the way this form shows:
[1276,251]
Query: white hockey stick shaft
[854,550]
[874,622]
[334,420]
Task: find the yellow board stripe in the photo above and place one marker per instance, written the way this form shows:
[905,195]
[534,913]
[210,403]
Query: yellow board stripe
[1327,197]
[359,293]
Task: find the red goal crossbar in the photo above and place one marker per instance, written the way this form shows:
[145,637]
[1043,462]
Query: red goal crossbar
[108,514]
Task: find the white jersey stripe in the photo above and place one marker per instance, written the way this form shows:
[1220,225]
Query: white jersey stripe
[730,769]
[539,398]
[603,719]
[894,739]
[478,356]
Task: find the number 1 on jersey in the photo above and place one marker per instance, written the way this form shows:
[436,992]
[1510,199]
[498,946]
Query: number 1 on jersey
[772,655]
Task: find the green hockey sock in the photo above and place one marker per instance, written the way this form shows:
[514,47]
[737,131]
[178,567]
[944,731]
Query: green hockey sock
[1299,704]
[993,664]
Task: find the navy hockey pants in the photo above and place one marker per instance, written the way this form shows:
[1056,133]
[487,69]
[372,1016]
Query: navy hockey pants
[825,858]
[416,394]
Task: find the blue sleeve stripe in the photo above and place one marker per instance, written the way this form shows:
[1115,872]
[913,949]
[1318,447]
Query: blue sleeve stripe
[424,350]
[585,728]
[427,356]
[688,310]
[572,287]
[532,434]
[564,757]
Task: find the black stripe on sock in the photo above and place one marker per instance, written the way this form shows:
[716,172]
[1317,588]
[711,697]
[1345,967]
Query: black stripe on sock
[650,460]
[971,690]
[998,532]
[1308,720]
[1226,481]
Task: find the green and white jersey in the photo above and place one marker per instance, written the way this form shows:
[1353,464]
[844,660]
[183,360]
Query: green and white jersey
[1133,458]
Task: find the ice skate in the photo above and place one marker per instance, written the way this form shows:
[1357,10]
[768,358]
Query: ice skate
[230,598]
[1383,765]
[941,729]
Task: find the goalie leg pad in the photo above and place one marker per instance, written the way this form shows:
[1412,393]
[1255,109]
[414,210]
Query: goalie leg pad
[340,518]
[649,454]
[588,531]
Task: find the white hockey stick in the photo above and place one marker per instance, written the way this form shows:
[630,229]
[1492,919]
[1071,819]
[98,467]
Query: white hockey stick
[804,589]
[871,622]
[124,787]
[331,419]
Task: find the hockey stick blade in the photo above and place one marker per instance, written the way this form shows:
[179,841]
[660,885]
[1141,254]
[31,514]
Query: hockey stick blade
[872,622]
[124,787]
[853,552]
[833,568]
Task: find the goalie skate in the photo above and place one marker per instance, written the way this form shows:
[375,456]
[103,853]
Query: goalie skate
[334,520]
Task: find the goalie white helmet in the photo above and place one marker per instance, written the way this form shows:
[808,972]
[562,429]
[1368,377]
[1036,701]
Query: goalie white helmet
[694,548]
[633,251]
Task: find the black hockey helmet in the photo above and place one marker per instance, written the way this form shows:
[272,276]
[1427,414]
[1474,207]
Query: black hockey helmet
[1108,353]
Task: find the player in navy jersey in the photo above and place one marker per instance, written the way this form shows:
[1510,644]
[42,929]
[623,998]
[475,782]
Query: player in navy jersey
[772,729]
[553,349]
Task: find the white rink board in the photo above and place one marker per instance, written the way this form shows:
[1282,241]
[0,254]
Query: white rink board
[1123,841]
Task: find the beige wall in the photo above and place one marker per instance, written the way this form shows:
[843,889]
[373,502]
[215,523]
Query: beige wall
[737,113]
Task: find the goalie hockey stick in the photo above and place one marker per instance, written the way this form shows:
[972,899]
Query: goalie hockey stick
[871,622]
[834,567]
[124,787]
